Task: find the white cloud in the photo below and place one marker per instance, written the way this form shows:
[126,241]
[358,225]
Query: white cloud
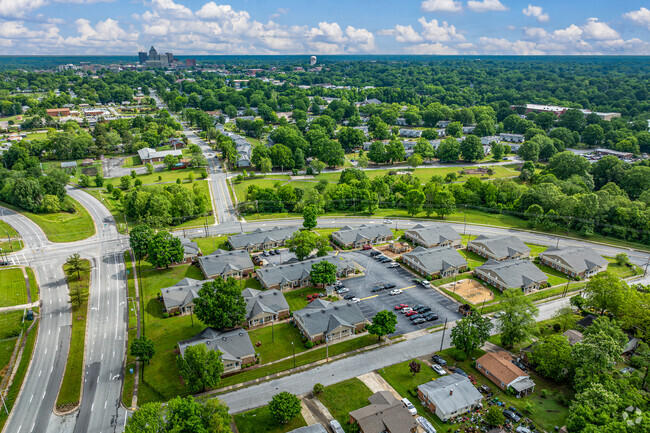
[504,46]
[640,17]
[439,33]
[175,9]
[486,5]
[328,32]
[595,29]
[360,39]
[534,33]
[18,8]
[441,6]
[403,34]
[537,12]
[431,49]
[571,33]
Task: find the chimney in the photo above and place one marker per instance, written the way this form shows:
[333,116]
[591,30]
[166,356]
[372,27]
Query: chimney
[451,392]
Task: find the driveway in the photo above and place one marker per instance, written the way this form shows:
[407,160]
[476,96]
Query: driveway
[113,168]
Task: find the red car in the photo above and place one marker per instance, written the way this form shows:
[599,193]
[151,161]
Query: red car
[411,313]
[367,247]
[400,306]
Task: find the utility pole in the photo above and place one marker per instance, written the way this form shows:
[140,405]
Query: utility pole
[293,348]
[465,219]
[444,329]
[4,403]
[327,347]
[191,316]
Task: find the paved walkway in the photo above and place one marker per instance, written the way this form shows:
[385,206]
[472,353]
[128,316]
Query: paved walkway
[20,307]
[376,383]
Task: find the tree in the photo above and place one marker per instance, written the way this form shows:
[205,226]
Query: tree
[187,415]
[99,180]
[414,160]
[78,296]
[84,181]
[150,168]
[497,151]
[302,243]
[323,272]
[309,216]
[165,249]
[143,349]
[606,292]
[470,333]
[444,202]
[383,324]
[200,367]
[220,304]
[622,259]
[148,418]
[76,265]
[448,150]
[139,240]
[415,367]
[454,129]
[265,165]
[529,151]
[565,317]
[414,200]
[50,203]
[125,182]
[609,327]
[593,135]
[284,407]
[641,359]
[596,354]
[170,161]
[566,164]
[471,148]
[495,417]
[517,323]
[552,357]
[318,166]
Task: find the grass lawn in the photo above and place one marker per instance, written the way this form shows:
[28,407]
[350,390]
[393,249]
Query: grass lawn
[473,259]
[343,397]
[15,245]
[13,290]
[71,385]
[623,271]
[168,176]
[62,226]
[132,161]
[127,389]
[536,250]
[284,334]
[10,325]
[555,277]
[297,299]
[6,230]
[210,244]
[260,420]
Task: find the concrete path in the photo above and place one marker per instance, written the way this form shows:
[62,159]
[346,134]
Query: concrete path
[20,307]
[376,383]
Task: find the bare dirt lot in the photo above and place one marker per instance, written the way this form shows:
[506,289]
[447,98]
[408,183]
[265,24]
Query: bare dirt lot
[473,291]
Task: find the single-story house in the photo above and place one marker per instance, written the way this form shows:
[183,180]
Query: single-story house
[449,396]
[384,414]
[443,261]
[175,142]
[512,138]
[224,264]
[297,274]
[348,237]
[262,239]
[615,153]
[500,247]
[498,367]
[580,262]
[490,139]
[181,296]
[469,129]
[411,133]
[443,235]
[264,306]
[69,164]
[191,249]
[332,320]
[234,344]
[573,336]
[512,273]
[57,112]
[148,155]
[314,428]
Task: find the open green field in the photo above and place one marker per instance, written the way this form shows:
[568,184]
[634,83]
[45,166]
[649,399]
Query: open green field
[13,290]
[210,244]
[343,397]
[297,299]
[75,173]
[69,394]
[10,324]
[623,271]
[6,230]
[62,226]
[260,420]
[276,341]
[167,176]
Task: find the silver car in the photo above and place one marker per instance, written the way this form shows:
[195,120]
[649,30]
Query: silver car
[336,426]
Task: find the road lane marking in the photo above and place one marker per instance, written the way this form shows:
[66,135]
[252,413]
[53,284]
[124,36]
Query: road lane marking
[369,297]
[31,398]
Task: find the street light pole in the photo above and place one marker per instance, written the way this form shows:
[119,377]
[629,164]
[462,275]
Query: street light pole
[293,348]
[4,403]
[444,329]
[327,347]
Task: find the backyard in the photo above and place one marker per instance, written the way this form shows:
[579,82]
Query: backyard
[260,420]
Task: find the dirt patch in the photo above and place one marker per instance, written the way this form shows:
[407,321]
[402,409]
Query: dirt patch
[472,291]
[385,250]
[89,171]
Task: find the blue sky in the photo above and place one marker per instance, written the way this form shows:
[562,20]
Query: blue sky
[188,27]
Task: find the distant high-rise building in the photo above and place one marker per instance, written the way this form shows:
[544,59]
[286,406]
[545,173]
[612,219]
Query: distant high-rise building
[153,54]
[190,63]
[142,55]
[312,60]
[170,58]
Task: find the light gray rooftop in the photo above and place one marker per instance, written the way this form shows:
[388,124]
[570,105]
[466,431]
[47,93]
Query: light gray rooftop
[314,428]
[502,245]
[579,258]
[270,301]
[233,344]
[181,293]
[514,272]
[437,259]
[349,235]
[435,234]
[272,275]
[323,317]
[451,393]
[222,261]
[259,236]
[149,153]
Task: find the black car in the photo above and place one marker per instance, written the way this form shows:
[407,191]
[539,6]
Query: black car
[349,296]
[431,317]
[415,307]
[374,253]
[390,286]
[415,316]
[385,259]
[515,411]
[511,415]
[418,320]
[459,371]
[438,360]
[424,310]
[376,289]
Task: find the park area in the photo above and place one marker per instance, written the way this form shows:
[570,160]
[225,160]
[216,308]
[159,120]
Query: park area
[471,290]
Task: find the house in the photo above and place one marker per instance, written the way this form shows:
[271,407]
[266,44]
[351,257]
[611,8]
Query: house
[631,346]
[322,320]
[57,112]
[224,264]
[443,261]
[244,155]
[175,142]
[468,129]
[499,247]
[234,344]
[449,396]
[148,155]
[191,249]
[69,164]
[87,162]
[297,274]
[384,414]
[348,237]
[443,123]
[264,306]
[616,153]
[262,239]
[411,133]
[573,336]
[314,428]
[490,139]
[180,296]
[499,368]
[512,273]
[587,321]
[443,235]
[581,262]
[512,138]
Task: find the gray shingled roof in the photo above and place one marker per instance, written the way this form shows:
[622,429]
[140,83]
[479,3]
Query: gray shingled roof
[464,393]
[149,153]
[259,236]
[323,316]
[222,261]
[349,235]
[385,413]
[270,301]
[437,259]
[579,258]
[181,293]
[436,233]
[272,275]
[314,428]
[502,246]
[514,272]
[234,344]
[190,247]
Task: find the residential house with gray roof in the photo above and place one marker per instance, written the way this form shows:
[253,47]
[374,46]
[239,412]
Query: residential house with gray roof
[512,138]
[314,428]
[434,235]
[297,274]
[384,414]
[264,306]
[581,262]
[411,133]
[262,239]
[181,296]
[443,261]
[191,249]
[512,273]
[224,264]
[500,247]
[449,396]
[234,344]
[148,155]
[349,237]
[332,320]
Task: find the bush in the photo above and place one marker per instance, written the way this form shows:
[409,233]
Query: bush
[138,182]
[239,178]
[318,388]
[294,172]
[458,355]
[109,187]
[165,315]
[204,174]
[309,344]
[310,171]
[556,327]
[544,393]
[178,181]
[159,178]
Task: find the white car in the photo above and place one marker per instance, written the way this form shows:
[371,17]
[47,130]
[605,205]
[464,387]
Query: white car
[396,292]
[355,300]
[336,426]
[426,284]
[412,410]
[388,222]
[342,290]
[438,369]
[405,310]
[394,265]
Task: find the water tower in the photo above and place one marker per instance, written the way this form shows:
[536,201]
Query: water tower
[312,60]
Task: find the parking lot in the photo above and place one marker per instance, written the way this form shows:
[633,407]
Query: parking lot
[379,273]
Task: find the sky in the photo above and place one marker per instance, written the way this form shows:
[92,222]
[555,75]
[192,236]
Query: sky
[428,27]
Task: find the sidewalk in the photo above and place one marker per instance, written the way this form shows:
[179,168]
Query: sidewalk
[20,307]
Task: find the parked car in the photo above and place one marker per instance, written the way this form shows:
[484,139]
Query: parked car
[522,429]
[375,253]
[385,260]
[342,290]
[388,222]
[411,313]
[266,253]
[416,281]
[336,426]
[415,307]
[438,360]
[426,284]
[400,306]
[396,292]
[426,425]
[349,296]
[390,285]
[394,265]
[511,416]
[515,411]
[406,310]
[367,247]
[409,406]
[419,320]
[337,283]
[438,369]
[414,316]
[460,371]
[355,300]
[431,317]
[376,289]
[424,310]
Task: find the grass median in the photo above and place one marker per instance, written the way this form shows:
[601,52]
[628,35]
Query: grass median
[69,394]
[129,374]
[13,290]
